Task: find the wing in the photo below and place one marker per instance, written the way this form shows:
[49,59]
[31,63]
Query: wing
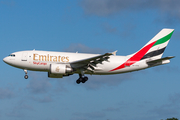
[91,62]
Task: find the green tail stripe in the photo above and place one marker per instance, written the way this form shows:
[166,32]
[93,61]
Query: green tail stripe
[164,39]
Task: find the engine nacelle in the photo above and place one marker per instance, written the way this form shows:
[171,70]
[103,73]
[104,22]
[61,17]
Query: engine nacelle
[59,70]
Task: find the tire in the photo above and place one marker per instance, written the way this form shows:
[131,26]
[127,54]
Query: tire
[85,78]
[78,81]
[26,76]
[83,81]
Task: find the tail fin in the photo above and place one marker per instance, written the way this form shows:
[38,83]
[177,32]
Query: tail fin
[155,47]
[158,44]
[152,51]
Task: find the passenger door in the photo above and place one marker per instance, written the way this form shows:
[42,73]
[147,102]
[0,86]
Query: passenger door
[24,56]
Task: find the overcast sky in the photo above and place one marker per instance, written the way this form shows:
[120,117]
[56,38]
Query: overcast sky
[89,26]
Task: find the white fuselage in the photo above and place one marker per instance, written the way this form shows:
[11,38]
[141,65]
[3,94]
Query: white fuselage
[41,60]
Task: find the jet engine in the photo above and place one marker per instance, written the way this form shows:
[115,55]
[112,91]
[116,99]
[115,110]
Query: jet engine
[59,70]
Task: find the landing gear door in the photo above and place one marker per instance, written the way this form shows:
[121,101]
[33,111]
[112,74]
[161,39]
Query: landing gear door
[24,57]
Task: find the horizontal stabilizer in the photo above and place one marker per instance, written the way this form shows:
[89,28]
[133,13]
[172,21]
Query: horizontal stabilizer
[159,61]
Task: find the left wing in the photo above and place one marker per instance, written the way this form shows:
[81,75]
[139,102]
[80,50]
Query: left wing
[91,62]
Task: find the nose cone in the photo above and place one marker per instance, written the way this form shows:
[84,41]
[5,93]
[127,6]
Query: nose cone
[5,59]
[9,60]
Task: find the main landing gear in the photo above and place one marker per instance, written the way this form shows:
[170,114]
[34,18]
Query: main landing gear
[82,79]
[26,76]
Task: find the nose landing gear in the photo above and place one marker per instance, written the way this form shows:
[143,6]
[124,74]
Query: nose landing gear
[26,76]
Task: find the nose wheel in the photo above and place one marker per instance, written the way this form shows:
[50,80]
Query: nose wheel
[26,76]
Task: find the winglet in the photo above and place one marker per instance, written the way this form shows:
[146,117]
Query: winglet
[114,53]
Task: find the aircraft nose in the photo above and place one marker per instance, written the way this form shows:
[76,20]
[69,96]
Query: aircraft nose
[5,59]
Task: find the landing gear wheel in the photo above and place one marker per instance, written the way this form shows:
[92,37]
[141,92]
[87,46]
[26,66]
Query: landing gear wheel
[85,78]
[26,76]
[82,78]
[83,81]
[78,81]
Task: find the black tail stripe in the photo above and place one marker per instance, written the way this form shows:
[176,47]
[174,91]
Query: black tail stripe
[153,53]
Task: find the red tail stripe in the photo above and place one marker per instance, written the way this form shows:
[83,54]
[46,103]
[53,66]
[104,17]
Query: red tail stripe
[135,58]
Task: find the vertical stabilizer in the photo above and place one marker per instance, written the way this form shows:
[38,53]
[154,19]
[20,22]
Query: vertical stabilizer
[153,50]
[158,44]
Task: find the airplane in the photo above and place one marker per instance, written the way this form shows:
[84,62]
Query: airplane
[61,64]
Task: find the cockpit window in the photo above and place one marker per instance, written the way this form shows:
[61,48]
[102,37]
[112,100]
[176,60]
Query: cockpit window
[12,55]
